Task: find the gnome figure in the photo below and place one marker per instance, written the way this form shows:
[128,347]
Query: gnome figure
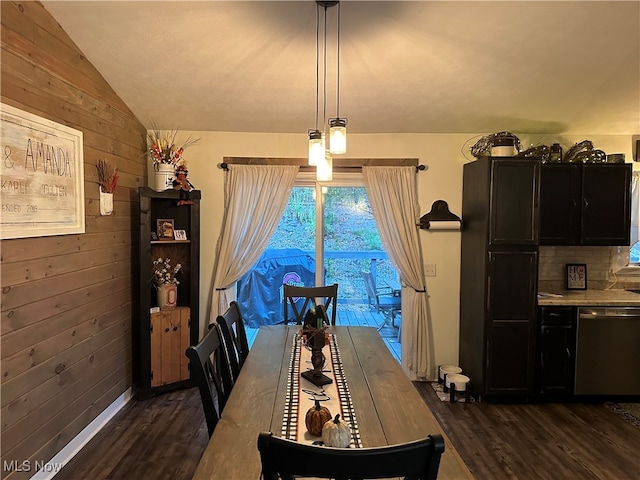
[183,185]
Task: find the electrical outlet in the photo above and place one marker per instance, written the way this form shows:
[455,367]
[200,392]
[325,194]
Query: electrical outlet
[430,270]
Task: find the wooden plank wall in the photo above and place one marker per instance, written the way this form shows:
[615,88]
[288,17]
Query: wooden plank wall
[66,300]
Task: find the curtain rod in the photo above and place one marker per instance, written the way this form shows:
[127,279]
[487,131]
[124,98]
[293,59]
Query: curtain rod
[225,166]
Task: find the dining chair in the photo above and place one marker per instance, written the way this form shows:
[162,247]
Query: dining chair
[210,372]
[234,336]
[384,300]
[286,459]
[293,294]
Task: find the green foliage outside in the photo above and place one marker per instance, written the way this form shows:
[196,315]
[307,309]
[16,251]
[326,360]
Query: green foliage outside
[348,227]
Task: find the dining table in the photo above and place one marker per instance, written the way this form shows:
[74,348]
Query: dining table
[389,408]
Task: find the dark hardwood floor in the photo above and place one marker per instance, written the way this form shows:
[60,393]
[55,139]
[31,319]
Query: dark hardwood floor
[539,441]
[163,438]
[158,438]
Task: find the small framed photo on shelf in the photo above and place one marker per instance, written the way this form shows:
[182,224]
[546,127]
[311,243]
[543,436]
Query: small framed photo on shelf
[180,234]
[165,228]
[576,276]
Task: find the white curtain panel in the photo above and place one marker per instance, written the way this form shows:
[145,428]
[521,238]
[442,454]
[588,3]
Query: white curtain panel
[393,195]
[255,199]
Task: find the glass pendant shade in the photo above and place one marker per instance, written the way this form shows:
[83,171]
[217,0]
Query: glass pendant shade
[338,135]
[324,169]
[316,147]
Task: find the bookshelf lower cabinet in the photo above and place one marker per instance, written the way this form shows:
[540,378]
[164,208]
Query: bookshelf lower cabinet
[169,339]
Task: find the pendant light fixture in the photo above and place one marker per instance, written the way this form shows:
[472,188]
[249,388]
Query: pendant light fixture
[324,169]
[338,126]
[318,153]
[317,145]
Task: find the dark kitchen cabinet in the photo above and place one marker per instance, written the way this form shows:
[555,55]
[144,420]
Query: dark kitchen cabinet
[510,321]
[556,352]
[498,285]
[585,204]
[149,347]
[513,218]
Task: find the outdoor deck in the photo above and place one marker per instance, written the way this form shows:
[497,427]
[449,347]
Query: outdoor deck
[362,317]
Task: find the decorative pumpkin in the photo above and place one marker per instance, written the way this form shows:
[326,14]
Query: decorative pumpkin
[315,419]
[336,433]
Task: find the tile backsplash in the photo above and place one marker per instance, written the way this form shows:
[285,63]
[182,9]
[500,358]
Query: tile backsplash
[552,260]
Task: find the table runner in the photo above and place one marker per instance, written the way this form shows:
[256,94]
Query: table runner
[298,402]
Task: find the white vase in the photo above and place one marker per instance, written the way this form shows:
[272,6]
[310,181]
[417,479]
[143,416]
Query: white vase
[163,176]
[106,203]
[167,296]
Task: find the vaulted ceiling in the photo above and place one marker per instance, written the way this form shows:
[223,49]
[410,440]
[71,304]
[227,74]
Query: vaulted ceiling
[406,67]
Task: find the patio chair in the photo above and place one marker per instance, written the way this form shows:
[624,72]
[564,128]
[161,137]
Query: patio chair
[211,375]
[293,294]
[384,299]
[285,459]
[234,336]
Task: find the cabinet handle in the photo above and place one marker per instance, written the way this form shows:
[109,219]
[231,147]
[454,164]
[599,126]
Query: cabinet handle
[175,328]
[166,330]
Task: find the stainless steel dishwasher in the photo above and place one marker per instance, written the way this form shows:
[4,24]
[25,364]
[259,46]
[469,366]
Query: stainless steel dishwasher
[608,351]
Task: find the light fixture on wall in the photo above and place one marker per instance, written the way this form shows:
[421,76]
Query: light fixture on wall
[318,154]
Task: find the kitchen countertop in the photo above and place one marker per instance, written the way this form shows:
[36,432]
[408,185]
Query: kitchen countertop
[613,297]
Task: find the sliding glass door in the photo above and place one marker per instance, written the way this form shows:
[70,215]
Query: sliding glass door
[327,235]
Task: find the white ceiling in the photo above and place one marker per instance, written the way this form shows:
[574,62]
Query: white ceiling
[406,67]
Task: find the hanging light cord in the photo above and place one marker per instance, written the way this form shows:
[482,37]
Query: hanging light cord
[317,62]
[338,68]
[324,72]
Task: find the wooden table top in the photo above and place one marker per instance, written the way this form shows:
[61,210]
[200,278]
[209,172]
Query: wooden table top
[388,407]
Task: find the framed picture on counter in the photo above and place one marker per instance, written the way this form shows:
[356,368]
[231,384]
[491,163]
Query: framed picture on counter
[576,276]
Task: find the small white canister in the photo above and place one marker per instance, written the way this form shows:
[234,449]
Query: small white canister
[503,147]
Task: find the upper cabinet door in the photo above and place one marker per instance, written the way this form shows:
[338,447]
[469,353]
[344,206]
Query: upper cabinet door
[514,201]
[606,204]
[560,204]
[585,204]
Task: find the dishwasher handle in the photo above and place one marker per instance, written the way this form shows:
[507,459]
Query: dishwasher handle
[587,313]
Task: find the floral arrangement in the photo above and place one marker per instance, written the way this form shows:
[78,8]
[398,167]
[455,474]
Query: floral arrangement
[165,148]
[107,176]
[164,273]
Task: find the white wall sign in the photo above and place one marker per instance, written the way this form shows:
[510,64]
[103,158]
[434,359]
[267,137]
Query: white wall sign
[41,176]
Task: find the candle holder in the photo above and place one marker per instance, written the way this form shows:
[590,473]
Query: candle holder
[314,331]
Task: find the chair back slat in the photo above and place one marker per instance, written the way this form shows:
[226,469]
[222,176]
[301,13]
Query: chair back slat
[386,301]
[234,336]
[282,458]
[328,296]
[370,285]
[210,371]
